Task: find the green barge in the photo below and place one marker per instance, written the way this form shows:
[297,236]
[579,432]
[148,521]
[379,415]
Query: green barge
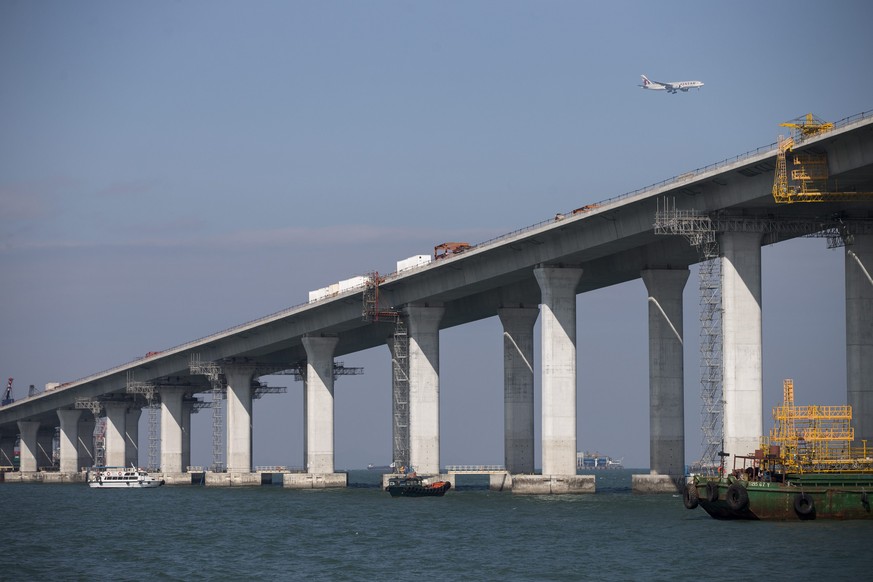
[808,468]
[798,497]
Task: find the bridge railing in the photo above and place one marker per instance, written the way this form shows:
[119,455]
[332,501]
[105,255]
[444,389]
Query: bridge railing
[474,468]
[684,177]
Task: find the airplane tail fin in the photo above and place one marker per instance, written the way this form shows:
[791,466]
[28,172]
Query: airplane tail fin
[646,81]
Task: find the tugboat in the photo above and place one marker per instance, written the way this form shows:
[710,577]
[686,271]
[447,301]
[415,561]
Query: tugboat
[807,469]
[412,485]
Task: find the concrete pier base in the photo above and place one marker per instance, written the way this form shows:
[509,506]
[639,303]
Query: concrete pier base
[236,479]
[315,480]
[500,482]
[62,477]
[183,478]
[654,483]
[22,477]
[552,484]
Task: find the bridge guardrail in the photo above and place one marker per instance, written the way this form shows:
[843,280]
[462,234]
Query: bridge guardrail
[473,468]
[490,242]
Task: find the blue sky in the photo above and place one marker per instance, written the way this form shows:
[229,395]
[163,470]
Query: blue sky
[171,169]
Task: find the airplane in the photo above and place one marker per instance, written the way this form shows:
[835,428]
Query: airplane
[683,86]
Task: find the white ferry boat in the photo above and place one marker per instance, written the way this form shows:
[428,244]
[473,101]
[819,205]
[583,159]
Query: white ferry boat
[122,478]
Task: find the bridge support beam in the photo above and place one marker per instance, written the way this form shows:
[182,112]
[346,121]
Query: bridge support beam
[28,429]
[859,334]
[666,379]
[69,440]
[318,404]
[131,434]
[171,429]
[239,417]
[424,388]
[558,328]
[116,413]
[742,342]
[518,388]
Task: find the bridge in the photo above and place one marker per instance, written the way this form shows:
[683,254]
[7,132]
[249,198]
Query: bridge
[534,272]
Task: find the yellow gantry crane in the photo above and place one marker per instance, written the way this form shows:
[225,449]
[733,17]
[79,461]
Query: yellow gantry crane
[808,179]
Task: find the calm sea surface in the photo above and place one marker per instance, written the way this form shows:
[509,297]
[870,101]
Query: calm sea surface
[70,532]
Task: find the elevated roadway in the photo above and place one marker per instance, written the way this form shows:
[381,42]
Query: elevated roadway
[612,241]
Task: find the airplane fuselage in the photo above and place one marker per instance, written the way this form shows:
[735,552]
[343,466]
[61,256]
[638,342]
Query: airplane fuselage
[672,87]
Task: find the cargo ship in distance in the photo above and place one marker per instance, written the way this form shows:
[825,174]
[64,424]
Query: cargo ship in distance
[586,460]
[807,469]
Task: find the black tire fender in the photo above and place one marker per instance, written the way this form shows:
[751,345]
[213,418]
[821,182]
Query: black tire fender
[712,491]
[690,497]
[804,506]
[737,497]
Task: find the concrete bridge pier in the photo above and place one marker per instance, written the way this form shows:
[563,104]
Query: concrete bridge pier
[239,417]
[518,388]
[558,329]
[116,439]
[171,429]
[69,419]
[859,335]
[666,382]
[424,388]
[742,342]
[28,429]
[318,404]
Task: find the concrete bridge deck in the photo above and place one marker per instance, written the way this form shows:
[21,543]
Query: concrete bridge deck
[605,243]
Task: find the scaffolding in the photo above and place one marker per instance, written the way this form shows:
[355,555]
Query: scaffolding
[373,312]
[217,381]
[153,404]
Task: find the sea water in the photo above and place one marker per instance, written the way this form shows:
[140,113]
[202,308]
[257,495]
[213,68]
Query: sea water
[72,532]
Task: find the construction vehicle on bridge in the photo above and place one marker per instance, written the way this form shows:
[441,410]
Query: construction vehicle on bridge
[450,248]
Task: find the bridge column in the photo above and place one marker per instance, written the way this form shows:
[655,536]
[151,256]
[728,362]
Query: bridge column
[518,388]
[666,380]
[742,342]
[239,418]
[187,409]
[318,404]
[558,329]
[424,388]
[859,334]
[131,434]
[27,447]
[85,441]
[116,412]
[171,429]
[69,440]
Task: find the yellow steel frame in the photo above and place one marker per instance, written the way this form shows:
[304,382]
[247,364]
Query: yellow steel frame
[815,437]
[809,175]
